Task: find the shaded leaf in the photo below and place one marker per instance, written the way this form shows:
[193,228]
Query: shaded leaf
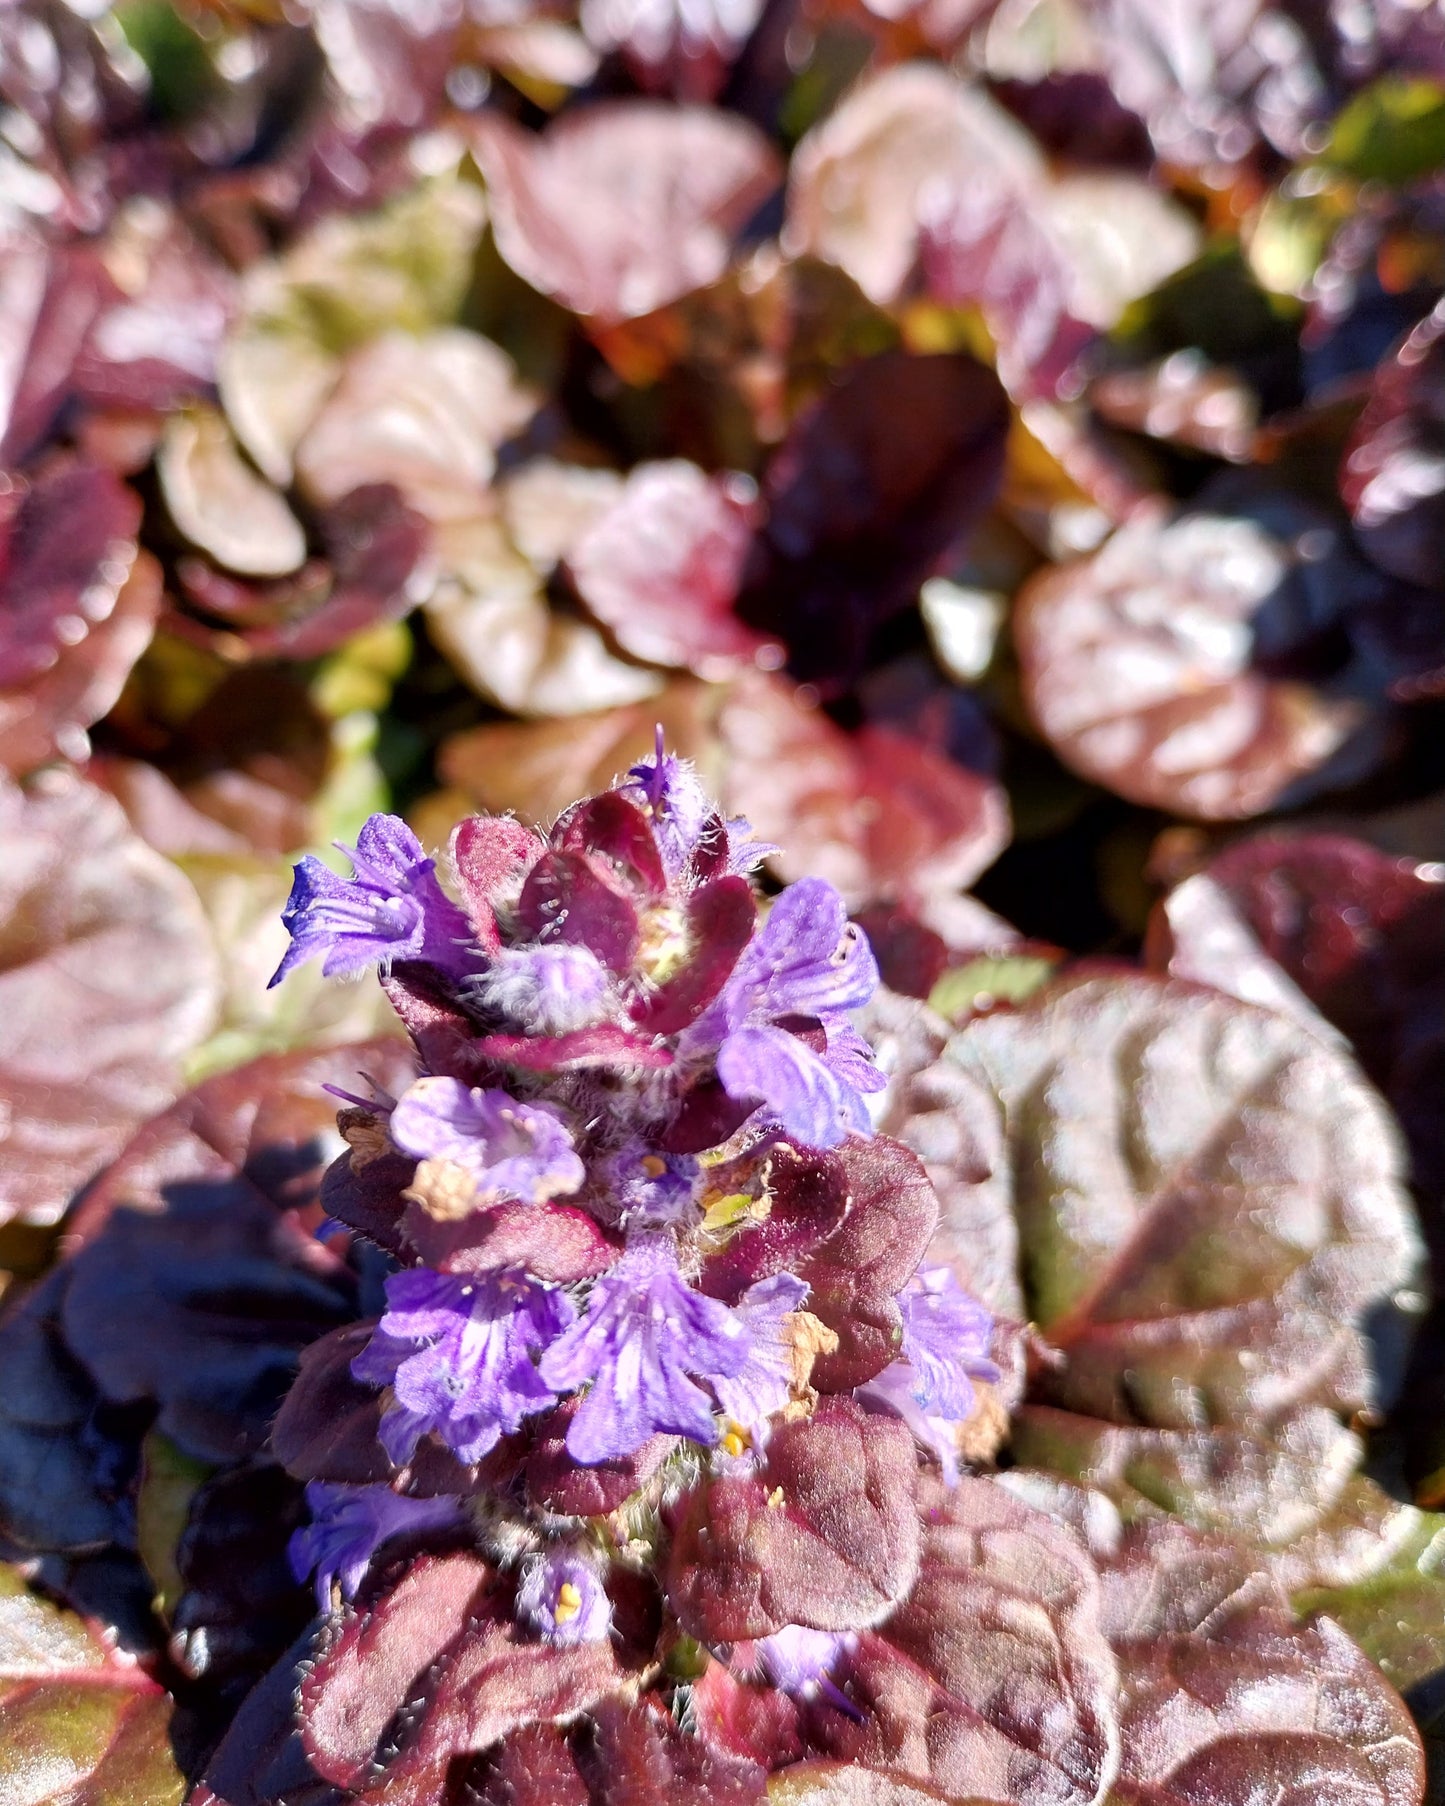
[193,1284]
[1390,481]
[874,486]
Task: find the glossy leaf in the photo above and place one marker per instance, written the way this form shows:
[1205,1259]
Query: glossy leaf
[1160,667]
[77,1721]
[1234,1224]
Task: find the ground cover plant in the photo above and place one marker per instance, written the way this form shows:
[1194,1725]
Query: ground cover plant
[859,586]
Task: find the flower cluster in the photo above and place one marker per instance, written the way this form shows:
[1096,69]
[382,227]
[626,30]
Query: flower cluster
[642,1233]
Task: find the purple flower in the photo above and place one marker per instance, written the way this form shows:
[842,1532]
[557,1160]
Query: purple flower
[349,1524]
[562,1600]
[515,1150]
[763,1387]
[650,1190]
[457,1353]
[679,806]
[392,908]
[646,1339]
[550,989]
[800,1661]
[681,810]
[946,1335]
[806,960]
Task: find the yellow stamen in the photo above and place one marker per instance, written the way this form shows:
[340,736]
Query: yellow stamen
[653,1165]
[775,1498]
[736,1439]
[569,1603]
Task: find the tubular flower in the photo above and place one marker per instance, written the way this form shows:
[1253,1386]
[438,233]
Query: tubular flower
[646,1340]
[349,1524]
[513,1150]
[391,908]
[457,1354]
[562,1600]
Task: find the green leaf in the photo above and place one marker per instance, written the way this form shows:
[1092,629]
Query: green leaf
[169,1479]
[1391,132]
[982,983]
[80,1725]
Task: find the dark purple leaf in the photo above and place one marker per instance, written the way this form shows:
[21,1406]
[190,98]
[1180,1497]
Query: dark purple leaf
[621,207]
[1277,1709]
[554,1241]
[372,1658]
[556,1483]
[605,1045]
[55,1490]
[1390,478]
[77,606]
[874,486]
[719,917]
[438,1648]
[566,898]
[488,852]
[51,296]
[641,1757]
[807,1195]
[241,1606]
[193,1284]
[826,1535]
[1362,936]
[615,827]
[326,1428]
[261,1760]
[533,1767]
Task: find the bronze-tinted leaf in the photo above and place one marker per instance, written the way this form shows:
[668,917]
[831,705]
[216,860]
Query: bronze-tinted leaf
[995,1677]
[1159,666]
[78,1721]
[825,1535]
[620,207]
[1211,1216]
[874,486]
[77,605]
[107,979]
